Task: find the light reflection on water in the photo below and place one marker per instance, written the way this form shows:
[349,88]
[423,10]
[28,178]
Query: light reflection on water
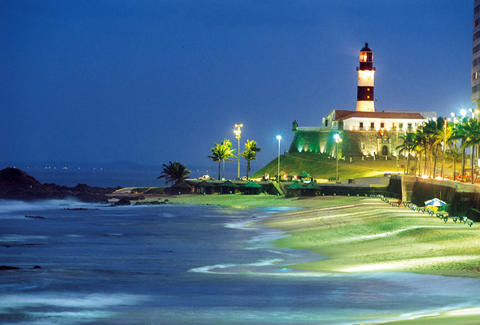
[188,264]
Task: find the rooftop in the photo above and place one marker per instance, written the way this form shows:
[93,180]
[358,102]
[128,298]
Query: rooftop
[341,115]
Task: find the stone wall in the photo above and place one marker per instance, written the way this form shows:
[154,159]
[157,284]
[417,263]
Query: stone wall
[463,199]
[354,143]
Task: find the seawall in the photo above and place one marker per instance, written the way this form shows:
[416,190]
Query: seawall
[463,199]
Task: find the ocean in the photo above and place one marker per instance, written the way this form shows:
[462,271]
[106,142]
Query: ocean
[178,264]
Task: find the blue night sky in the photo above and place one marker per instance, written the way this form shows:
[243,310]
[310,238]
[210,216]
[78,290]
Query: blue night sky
[150,81]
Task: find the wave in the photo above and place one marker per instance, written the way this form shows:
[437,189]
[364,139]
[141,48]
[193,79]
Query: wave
[244,225]
[69,317]
[12,208]
[211,268]
[16,301]
[20,238]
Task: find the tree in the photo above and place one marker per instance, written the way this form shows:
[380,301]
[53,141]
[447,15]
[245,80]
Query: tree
[407,147]
[174,172]
[229,153]
[447,138]
[217,156]
[471,134]
[454,154]
[220,153]
[423,142]
[250,153]
[460,133]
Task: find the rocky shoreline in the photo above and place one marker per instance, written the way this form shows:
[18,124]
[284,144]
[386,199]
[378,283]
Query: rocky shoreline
[16,184]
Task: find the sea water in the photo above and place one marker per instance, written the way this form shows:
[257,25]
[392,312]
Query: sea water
[177,264]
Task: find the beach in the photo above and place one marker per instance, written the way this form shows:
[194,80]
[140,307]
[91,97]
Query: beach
[271,260]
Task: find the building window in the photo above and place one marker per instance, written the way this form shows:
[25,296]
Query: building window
[382,125]
[326,123]
[409,126]
[476,49]
[361,125]
[401,126]
[475,75]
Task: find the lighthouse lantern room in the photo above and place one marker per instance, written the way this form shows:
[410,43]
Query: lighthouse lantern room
[366,81]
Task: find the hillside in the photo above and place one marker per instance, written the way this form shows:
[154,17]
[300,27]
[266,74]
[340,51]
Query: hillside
[296,163]
[15,184]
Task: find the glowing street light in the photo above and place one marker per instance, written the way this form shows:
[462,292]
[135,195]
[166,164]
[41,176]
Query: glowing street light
[279,138]
[337,139]
[238,135]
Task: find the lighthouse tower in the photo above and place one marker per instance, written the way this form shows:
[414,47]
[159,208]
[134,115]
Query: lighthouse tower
[366,81]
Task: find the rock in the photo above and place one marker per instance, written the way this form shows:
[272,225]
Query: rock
[35,217]
[122,201]
[37,267]
[6,267]
[18,185]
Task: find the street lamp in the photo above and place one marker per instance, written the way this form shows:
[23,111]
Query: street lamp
[238,135]
[338,139]
[279,138]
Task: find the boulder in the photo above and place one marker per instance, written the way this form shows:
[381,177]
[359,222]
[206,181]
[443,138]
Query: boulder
[123,201]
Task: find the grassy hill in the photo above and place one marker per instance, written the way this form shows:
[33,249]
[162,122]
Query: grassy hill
[296,163]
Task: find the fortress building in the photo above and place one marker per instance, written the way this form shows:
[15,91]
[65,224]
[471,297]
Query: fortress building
[365,132]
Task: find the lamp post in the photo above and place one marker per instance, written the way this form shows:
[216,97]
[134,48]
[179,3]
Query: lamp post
[279,138]
[338,139]
[238,135]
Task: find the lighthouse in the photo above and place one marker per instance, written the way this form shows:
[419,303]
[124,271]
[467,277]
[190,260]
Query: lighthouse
[366,81]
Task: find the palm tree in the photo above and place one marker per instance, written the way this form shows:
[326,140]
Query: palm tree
[417,151]
[446,139]
[250,153]
[437,139]
[407,147]
[229,153]
[220,153]
[471,135]
[460,134]
[217,156]
[454,154]
[174,172]
[423,143]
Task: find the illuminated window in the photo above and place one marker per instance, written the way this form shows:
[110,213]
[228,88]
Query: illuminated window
[382,125]
[475,75]
[368,89]
[368,97]
[361,125]
[363,56]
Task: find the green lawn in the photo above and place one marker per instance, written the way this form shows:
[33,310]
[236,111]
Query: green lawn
[296,163]
[260,200]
